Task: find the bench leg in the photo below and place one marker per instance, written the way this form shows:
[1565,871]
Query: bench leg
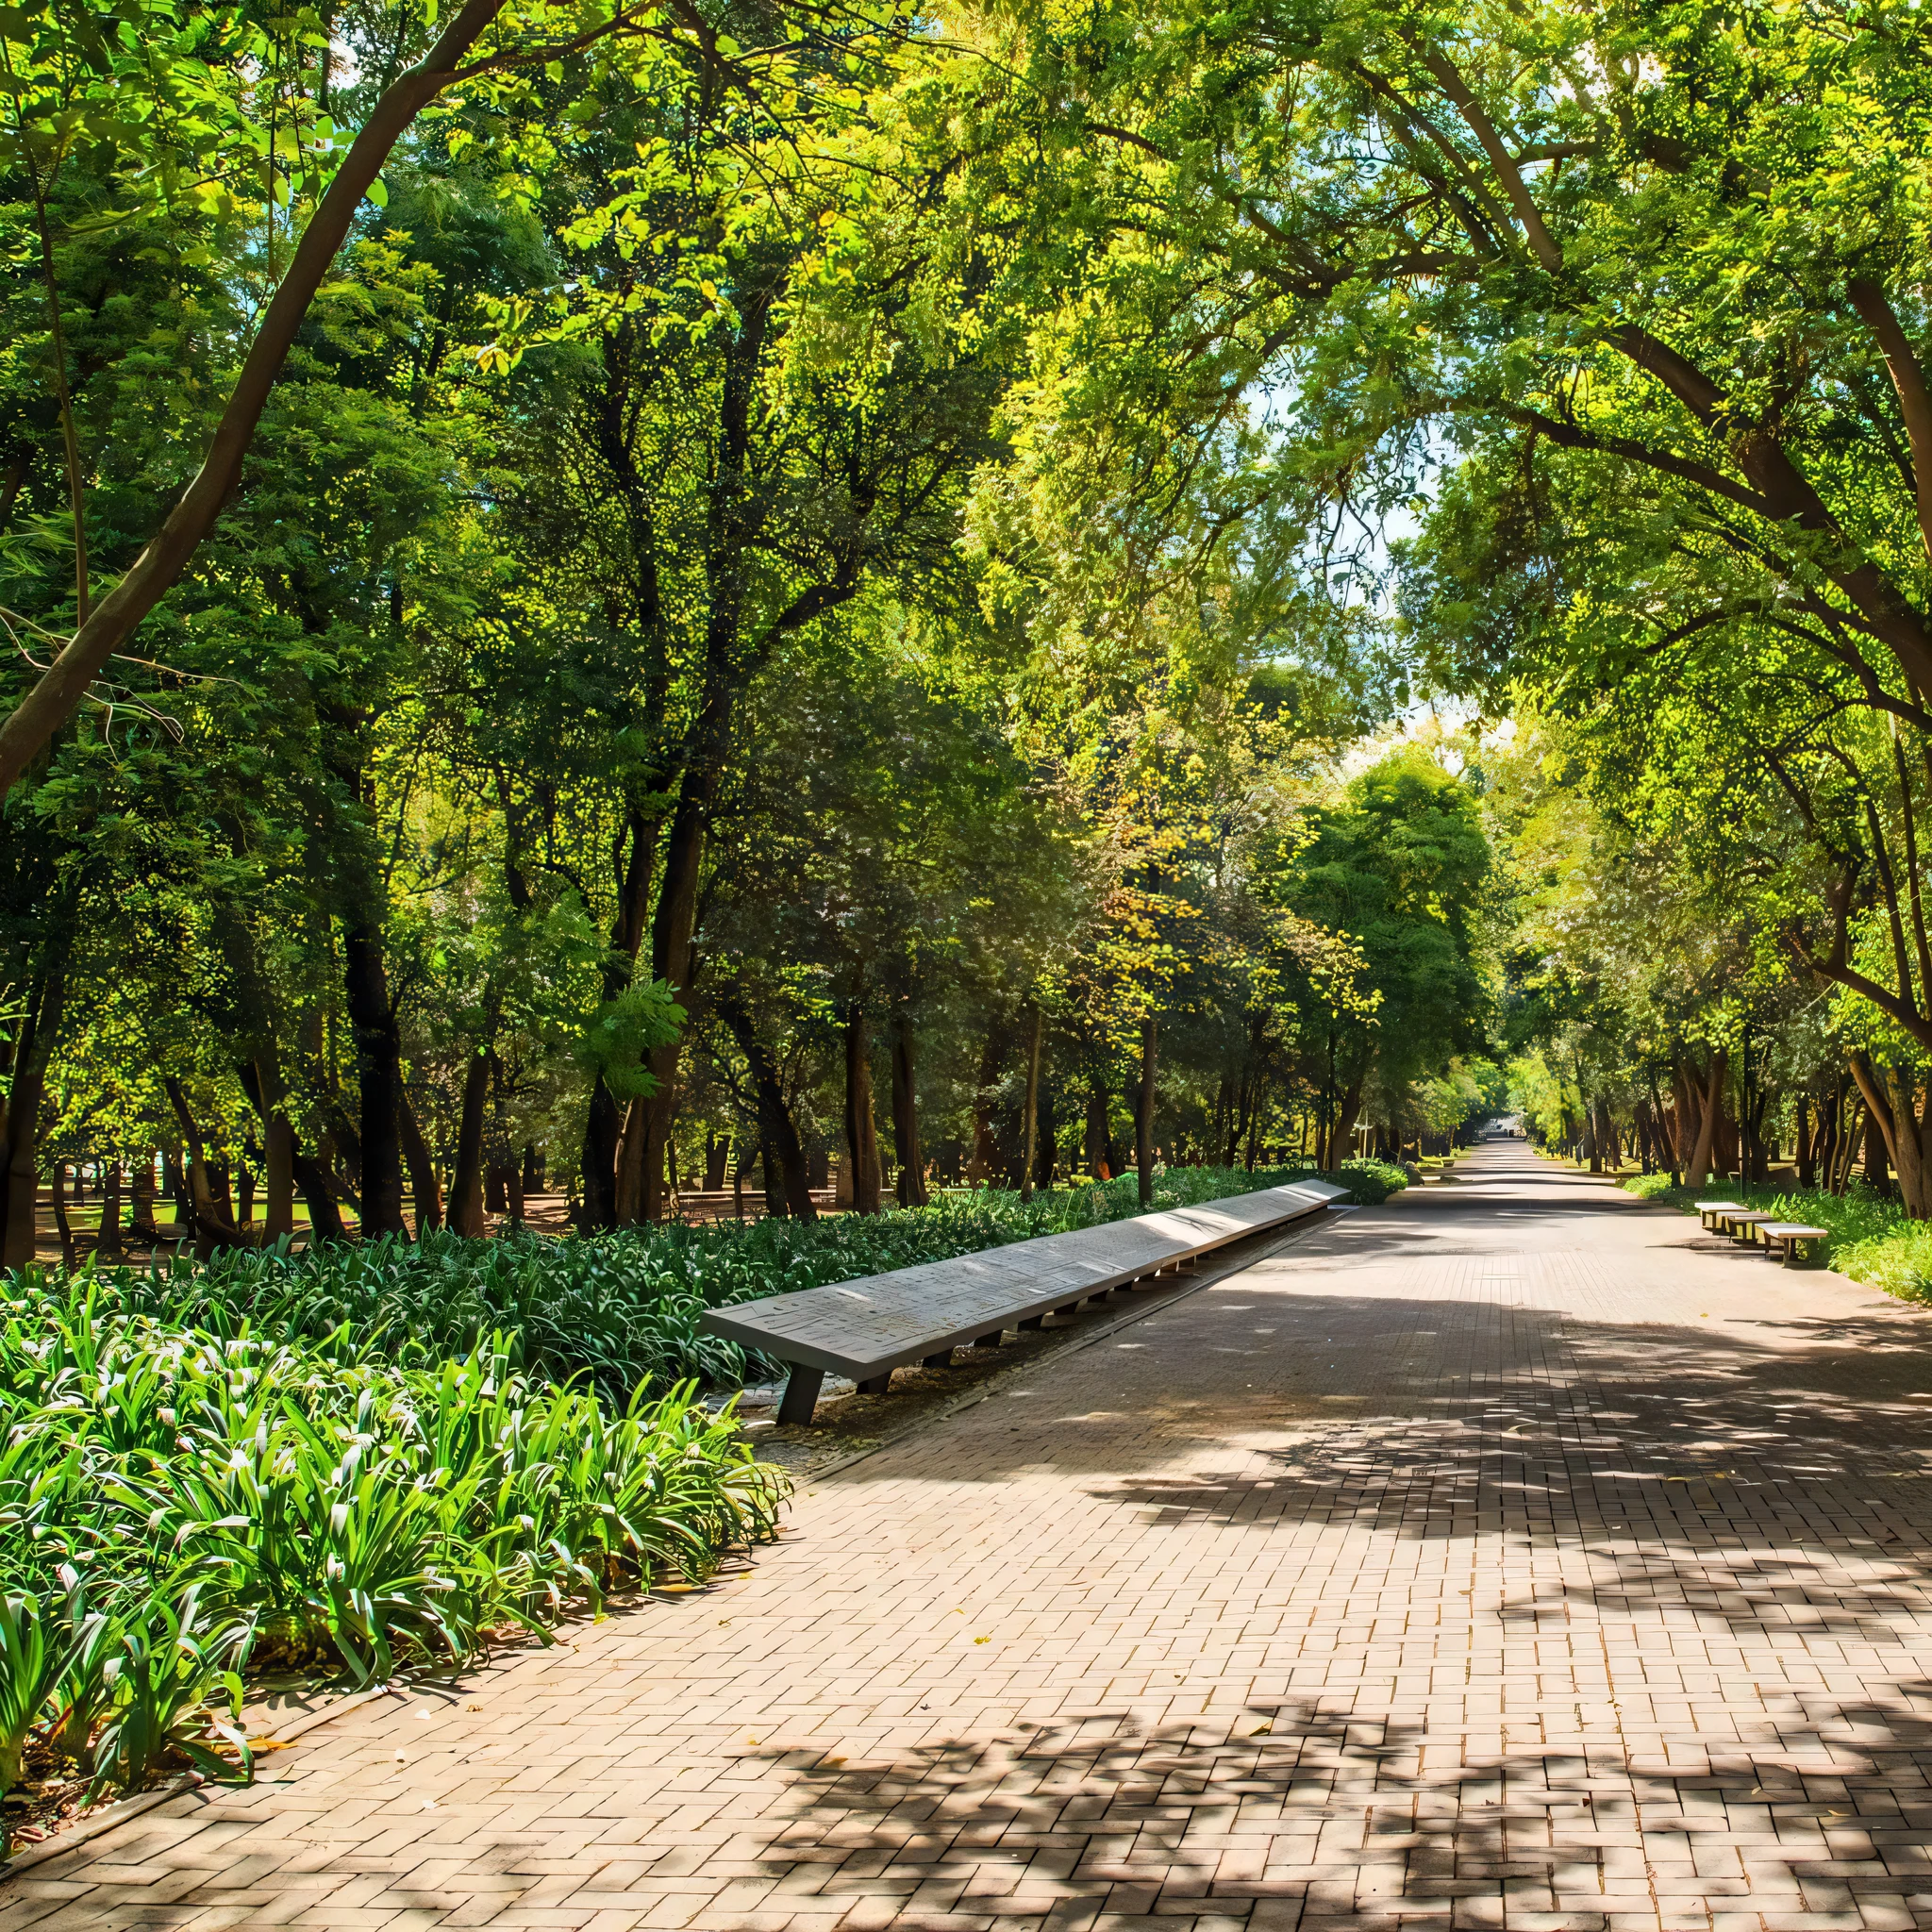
[992,1341]
[876,1385]
[1068,1308]
[1033,1322]
[800,1395]
[941,1360]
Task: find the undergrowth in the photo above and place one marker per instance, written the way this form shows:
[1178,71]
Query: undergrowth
[182,1506]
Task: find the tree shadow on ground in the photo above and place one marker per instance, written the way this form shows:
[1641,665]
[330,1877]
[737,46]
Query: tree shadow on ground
[1301,1806]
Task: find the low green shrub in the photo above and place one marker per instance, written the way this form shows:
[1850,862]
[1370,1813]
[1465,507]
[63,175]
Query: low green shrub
[1369,1182]
[1659,1187]
[181,1503]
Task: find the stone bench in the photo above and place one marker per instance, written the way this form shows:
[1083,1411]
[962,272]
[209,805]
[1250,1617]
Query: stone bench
[1795,1244]
[1710,1211]
[869,1327]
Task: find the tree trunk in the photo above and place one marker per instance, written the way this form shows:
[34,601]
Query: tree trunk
[1807,1169]
[603,1128]
[603,1121]
[425,1190]
[1711,1102]
[905,1148]
[717,1162]
[62,1226]
[213,1228]
[633,1147]
[36,1030]
[261,1081]
[141,1219]
[379,1070]
[1048,1123]
[861,1139]
[777,1130]
[466,1183]
[1030,1117]
[1094,1145]
[1143,1108]
[1341,1141]
[108,1245]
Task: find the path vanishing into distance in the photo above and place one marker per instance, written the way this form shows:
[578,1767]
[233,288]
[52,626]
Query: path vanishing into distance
[1512,1555]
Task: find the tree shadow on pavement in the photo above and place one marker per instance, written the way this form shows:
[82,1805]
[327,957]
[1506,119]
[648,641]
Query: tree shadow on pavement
[1298,1811]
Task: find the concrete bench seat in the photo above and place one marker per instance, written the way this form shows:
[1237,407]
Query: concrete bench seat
[869,1327]
[1795,1244]
[1708,1210]
[1742,1224]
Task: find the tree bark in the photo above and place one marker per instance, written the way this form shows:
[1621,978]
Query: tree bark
[36,1031]
[261,1081]
[633,1146]
[1698,1171]
[777,1130]
[213,1228]
[1095,1147]
[603,1121]
[466,1183]
[108,1244]
[379,1070]
[425,1190]
[141,1218]
[861,1138]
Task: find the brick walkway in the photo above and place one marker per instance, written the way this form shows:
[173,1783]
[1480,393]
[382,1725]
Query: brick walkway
[1506,1557]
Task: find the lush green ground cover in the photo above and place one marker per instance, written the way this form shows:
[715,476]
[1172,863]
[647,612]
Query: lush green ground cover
[182,1504]
[624,1306]
[1871,1239]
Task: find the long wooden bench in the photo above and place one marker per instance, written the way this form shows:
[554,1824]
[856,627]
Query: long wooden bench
[869,1327]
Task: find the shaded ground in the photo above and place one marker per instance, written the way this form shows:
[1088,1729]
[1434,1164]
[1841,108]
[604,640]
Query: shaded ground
[1509,1555]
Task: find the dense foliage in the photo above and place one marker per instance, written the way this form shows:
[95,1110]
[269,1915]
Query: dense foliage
[185,1500]
[626,730]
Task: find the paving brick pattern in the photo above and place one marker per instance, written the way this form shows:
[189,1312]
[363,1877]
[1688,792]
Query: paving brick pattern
[1508,1556]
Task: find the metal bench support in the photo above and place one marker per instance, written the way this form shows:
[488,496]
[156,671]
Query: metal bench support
[992,1341]
[876,1385]
[800,1395]
[944,1360]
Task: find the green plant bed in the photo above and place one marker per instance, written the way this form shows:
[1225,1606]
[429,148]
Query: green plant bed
[181,1504]
[622,1308]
